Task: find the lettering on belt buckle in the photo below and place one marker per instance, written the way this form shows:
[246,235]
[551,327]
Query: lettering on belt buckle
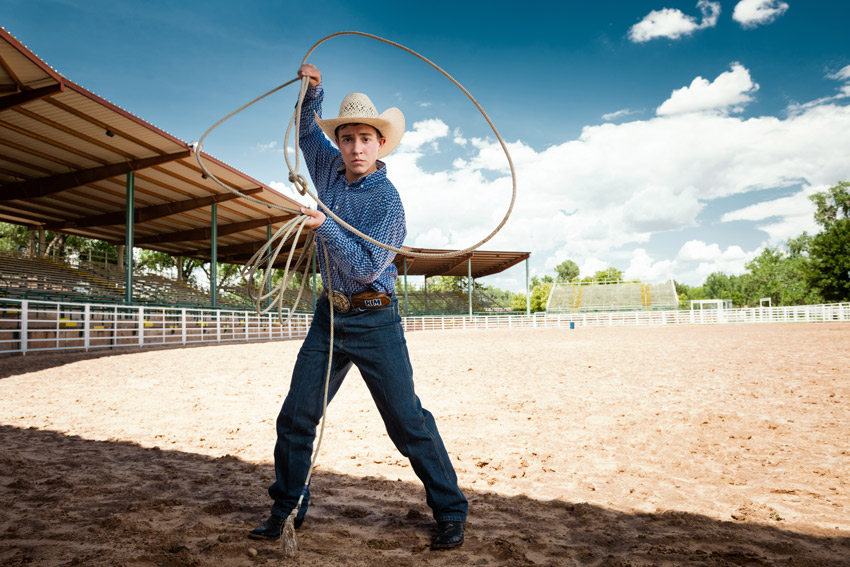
[340,302]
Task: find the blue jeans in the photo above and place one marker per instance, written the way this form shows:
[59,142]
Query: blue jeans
[373,340]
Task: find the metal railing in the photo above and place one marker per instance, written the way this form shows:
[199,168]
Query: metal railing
[35,325]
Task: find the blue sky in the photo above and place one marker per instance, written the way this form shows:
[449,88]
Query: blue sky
[668,139]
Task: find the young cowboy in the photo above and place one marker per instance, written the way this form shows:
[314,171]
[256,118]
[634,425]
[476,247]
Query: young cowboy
[353,183]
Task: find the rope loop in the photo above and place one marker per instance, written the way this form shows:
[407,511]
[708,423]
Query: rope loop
[298,180]
[301,184]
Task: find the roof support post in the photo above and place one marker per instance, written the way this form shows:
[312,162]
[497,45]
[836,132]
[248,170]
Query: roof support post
[527,290]
[269,266]
[406,310]
[214,256]
[470,282]
[128,239]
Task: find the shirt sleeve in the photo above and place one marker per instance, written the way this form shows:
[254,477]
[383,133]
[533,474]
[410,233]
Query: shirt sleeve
[358,258]
[321,156]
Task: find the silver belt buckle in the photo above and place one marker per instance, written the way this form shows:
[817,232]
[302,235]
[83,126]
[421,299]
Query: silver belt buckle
[340,302]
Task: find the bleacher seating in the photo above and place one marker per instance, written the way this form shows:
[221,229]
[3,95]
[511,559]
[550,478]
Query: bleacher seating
[611,296]
[47,279]
[663,295]
[35,277]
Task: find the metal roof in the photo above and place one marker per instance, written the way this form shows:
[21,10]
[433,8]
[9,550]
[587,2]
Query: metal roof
[481,263]
[65,153]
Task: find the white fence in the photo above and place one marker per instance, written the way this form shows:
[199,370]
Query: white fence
[35,326]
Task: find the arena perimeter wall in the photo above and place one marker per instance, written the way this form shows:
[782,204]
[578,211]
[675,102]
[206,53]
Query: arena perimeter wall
[28,326]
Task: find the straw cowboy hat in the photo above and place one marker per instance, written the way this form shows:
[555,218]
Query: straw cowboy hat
[356,108]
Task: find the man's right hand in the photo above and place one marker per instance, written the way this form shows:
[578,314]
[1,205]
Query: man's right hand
[317,218]
[312,72]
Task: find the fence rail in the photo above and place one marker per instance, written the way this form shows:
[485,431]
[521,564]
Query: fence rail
[36,326]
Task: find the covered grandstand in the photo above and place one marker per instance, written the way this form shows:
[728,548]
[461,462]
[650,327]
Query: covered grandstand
[577,297]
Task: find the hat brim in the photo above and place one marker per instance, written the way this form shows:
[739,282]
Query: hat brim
[390,123]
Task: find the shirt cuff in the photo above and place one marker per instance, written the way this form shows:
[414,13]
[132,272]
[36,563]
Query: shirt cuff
[329,231]
[313,92]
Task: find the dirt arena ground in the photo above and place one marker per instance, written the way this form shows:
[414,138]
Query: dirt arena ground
[688,445]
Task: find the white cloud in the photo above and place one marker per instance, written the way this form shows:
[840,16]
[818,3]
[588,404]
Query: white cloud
[424,132]
[270,147]
[458,137]
[726,94]
[288,190]
[753,13]
[641,212]
[673,24]
[601,198]
[787,217]
[841,75]
[618,184]
[711,258]
[590,266]
[844,92]
[643,267]
[618,114]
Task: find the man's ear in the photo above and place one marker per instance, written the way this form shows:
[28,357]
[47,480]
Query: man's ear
[381,142]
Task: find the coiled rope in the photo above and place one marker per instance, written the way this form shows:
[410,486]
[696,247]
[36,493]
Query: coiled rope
[292,229]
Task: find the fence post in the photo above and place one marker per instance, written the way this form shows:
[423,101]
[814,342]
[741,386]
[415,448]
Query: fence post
[25,314]
[86,323]
[141,325]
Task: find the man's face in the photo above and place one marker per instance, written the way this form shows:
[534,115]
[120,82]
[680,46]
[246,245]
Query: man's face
[359,145]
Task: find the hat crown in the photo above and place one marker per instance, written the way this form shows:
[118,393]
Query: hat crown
[357,108]
[357,105]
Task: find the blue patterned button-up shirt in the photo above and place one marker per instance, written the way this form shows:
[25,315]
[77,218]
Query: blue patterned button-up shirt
[371,204]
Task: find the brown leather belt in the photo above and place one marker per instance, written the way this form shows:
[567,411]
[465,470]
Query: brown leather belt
[343,303]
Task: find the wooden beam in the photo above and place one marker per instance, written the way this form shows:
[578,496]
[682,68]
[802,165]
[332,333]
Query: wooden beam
[43,186]
[27,96]
[243,251]
[502,267]
[146,214]
[205,233]
[452,263]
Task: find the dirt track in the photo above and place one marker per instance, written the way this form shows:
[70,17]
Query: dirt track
[714,445]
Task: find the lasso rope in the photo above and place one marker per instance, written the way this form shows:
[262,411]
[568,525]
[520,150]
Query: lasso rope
[263,257]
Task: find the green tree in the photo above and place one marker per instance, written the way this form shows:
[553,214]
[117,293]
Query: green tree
[720,286]
[567,271]
[15,237]
[687,294]
[540,296]
[518,302]
[780,276]
[448,283]
[607,275]
[161,262]
[832,204]
[828,267]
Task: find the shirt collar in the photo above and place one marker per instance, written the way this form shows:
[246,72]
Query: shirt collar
[367,180]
